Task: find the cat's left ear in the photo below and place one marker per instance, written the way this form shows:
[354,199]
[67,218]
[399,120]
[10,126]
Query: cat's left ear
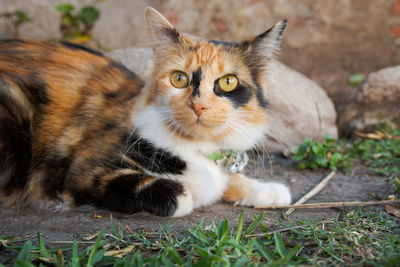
[161,31]
[266,44]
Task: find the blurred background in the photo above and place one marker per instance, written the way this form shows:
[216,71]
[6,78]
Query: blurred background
[327,41]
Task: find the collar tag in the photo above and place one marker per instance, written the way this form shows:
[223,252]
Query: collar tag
[234,161]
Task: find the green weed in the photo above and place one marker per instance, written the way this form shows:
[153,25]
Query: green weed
[381,154]
[77,26]
[356,239]
[17,19]
[332,154]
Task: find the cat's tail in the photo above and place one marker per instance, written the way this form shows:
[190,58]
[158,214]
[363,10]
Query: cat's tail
[15,142]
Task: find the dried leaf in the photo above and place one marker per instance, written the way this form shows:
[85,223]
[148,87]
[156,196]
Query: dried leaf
[95,216]
[120,252]
[393,210]
[128,229]
[373,136]
[90,237]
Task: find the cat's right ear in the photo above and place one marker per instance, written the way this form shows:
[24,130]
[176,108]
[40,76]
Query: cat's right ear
[161,31]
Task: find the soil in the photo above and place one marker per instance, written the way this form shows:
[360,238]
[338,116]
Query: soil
[361,185]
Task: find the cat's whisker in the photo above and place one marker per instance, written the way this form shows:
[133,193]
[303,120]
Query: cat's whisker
[277,139]
[265,149]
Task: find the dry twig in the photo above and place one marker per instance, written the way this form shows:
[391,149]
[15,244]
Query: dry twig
[312,193]
[290,228]
[332,204]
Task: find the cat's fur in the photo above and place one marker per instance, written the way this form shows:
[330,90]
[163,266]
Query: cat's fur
[78,128]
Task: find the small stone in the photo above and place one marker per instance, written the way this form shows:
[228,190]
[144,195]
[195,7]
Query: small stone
[374,102]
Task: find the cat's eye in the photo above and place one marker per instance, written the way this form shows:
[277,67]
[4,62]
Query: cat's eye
[179,79]
[228,83]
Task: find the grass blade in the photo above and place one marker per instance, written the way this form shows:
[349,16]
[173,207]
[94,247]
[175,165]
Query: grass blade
[23,263]
[239,228]
[173,253]
[24,254]
[223,229]
[265,252]
[113,229]
[94,249]
[60,258]
[75,259]
[292,252]
[43,250]
[255,223]
[279,245]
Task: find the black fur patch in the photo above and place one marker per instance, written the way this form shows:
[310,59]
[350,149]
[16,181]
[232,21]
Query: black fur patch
[260,97]
[239,97]
[20,41]
[158,198]
[129,89]
[55,170]
[152,158]
[195,82]
[81,47]
[34,88]
[128,73]
[227,44]
[172,34]
[15,142]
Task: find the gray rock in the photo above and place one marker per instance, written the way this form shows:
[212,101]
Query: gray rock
[137,59]
[298,108]
[374,102]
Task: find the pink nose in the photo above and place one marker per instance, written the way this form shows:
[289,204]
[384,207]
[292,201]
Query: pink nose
[198,108]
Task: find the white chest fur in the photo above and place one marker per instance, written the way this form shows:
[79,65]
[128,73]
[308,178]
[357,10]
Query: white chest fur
[202,177]
[206,180]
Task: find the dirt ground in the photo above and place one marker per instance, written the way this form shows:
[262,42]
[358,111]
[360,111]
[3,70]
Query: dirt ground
[361,185]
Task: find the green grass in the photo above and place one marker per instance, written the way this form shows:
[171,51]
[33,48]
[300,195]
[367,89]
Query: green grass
[381,155]
[356,238]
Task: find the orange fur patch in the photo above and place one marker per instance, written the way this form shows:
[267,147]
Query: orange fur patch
[239,187]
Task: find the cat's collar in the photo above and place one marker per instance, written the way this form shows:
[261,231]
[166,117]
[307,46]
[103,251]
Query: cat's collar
[235,161]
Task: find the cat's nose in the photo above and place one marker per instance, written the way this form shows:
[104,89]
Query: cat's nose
[198,108]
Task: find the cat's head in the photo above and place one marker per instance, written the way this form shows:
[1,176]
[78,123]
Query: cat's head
[208,90]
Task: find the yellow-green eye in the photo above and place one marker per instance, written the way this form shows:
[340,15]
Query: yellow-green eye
[179,79]
[228,83]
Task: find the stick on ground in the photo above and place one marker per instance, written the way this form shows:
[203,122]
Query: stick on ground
[312,193]
[332,204]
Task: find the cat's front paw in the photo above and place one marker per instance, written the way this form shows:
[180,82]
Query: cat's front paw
[267,194]
[184,204]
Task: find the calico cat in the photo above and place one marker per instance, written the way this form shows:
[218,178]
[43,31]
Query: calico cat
[78,128]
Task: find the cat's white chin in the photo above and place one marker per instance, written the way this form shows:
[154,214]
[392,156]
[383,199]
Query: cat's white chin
[151,125]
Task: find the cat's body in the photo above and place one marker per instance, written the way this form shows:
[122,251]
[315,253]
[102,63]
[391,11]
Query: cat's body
[78,128]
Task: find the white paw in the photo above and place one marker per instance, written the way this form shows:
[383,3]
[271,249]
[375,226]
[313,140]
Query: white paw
[184,204]
[267,194]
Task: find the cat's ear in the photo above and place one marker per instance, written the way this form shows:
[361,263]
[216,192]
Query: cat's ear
[266,44]
[161,31]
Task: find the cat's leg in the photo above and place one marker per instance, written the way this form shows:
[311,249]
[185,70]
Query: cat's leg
[135,192]
[249,192]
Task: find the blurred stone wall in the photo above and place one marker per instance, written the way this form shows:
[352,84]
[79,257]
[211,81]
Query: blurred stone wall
[326,39]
